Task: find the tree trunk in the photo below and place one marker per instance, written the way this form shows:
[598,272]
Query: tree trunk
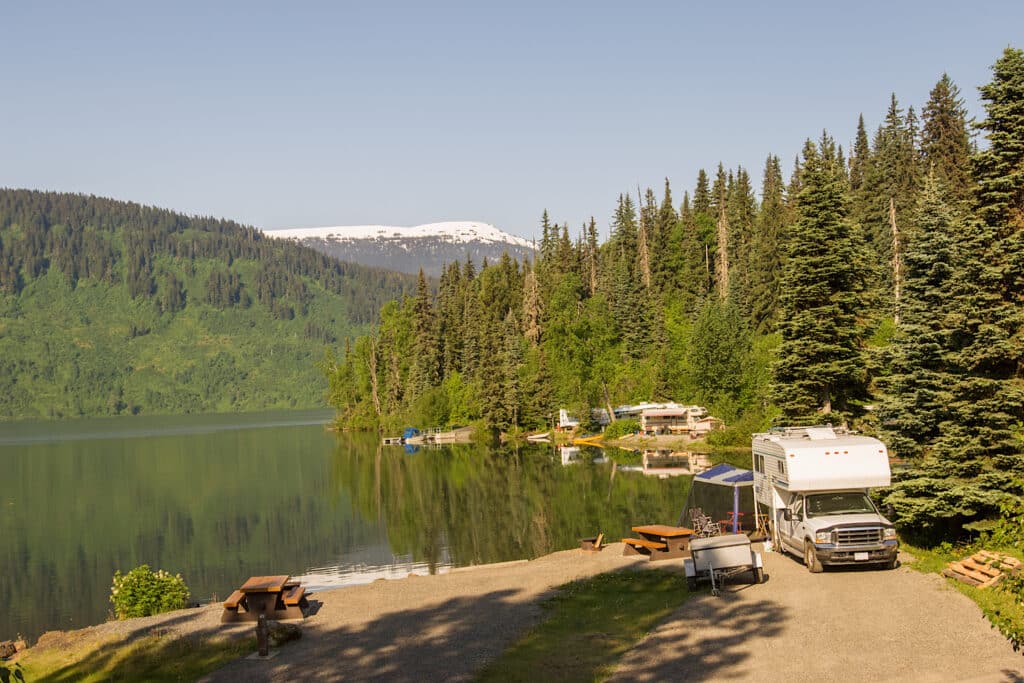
[897,261]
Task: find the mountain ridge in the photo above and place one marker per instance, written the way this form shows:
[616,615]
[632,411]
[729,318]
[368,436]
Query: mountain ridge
[429,246]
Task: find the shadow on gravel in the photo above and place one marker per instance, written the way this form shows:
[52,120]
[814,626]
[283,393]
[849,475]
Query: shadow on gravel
[715,640]
[443,642]
[154,657]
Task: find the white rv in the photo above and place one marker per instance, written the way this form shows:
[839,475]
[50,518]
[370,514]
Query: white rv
[812,484]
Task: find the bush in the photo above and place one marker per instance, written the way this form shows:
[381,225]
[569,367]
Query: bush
[621,428]
[141,592]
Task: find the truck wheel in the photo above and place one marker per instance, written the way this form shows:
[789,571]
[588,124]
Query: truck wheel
[891,564]
[811,558]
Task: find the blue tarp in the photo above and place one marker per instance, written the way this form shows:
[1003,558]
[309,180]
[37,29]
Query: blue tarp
[726,475]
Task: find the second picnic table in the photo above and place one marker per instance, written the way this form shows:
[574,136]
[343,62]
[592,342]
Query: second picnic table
[660,541]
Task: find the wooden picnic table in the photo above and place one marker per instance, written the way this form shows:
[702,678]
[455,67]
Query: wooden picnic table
[659,541]
[277,597]
[663,530]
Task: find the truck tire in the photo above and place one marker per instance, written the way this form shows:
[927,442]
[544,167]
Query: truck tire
[811,559]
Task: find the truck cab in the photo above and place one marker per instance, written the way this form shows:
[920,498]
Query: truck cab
[837,528]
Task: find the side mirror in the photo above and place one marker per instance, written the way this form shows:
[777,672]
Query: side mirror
[787,515]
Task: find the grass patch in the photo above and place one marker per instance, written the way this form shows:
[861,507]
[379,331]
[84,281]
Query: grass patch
[1002,605]
[590,624]
[154,658]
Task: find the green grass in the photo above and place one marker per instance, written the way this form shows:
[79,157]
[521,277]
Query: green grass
[590,624]
[157,659]
[1002,605]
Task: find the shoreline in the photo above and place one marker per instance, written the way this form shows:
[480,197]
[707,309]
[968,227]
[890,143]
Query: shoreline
[407,604]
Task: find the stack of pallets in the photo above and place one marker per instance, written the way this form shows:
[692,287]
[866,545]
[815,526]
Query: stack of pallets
[983,568]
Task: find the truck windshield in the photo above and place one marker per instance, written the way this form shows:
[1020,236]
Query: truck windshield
[848,503]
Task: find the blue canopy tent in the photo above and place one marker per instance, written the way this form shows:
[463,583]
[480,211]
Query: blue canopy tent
[722,490]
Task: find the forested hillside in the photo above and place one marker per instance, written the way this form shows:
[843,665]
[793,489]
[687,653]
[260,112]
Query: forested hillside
[878,286]
[109,307]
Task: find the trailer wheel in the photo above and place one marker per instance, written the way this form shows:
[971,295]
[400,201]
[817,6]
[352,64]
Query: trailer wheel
[811,559]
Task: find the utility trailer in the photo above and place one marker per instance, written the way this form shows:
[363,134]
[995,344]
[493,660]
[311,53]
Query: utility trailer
[718,558]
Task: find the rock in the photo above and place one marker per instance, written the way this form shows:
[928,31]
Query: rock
[7,649]
[281,633]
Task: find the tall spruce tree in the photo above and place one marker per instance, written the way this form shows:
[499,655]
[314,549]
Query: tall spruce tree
[424,371]
[917,399]
[819,371]
[766,257]
[945,141]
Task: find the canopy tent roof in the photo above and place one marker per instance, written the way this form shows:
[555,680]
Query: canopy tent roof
[726,475]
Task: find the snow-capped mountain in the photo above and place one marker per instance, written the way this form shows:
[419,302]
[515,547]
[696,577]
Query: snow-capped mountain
[407,249]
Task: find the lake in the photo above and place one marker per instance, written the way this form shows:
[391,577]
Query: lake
[219,498]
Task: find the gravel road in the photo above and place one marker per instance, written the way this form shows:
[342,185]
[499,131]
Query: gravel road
[848,625]
[842,625]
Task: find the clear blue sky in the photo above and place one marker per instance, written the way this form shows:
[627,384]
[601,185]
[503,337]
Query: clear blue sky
[304,114]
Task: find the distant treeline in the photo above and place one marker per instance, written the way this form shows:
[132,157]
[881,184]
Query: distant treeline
[109,307]
[119,242]
[878,286]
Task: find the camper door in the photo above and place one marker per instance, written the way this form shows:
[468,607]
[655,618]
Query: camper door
[788,528]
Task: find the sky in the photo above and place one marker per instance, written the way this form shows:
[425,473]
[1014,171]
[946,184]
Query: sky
[286,115]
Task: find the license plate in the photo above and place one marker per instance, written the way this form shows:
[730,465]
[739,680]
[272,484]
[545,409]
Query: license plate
[860,557]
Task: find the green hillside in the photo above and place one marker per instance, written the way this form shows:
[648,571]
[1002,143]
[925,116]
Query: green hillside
[109,307]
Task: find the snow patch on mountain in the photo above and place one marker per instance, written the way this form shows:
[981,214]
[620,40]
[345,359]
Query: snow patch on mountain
[454,232]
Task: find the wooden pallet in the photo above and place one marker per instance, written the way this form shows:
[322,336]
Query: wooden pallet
[983,568]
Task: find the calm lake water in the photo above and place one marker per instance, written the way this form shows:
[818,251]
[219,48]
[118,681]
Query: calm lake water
[224,497]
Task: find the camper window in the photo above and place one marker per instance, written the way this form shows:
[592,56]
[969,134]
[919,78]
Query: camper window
[759,463]
[782,467]
[847,503]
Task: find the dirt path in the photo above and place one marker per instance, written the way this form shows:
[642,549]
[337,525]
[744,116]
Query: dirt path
[438,628]
[843,625]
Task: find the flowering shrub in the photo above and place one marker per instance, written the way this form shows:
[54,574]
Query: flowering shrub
[141,592]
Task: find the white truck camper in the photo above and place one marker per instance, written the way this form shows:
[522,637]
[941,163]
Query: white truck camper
[812,485]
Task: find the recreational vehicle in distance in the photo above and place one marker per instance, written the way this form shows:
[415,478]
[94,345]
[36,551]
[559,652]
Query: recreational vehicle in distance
[812,484]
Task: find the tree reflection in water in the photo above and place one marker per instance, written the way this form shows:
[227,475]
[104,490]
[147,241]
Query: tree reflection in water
[485,504]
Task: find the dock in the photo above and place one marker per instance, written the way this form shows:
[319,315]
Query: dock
[436,436]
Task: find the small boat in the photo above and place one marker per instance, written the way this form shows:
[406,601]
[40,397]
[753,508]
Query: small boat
[539,438]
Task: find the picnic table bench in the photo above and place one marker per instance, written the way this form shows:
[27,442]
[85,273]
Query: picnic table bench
[277,597]
[658,541]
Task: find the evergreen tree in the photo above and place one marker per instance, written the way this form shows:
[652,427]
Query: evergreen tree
[766,261]
[663,244]
[424,371]
[860,158]
[819,370]
[918,397]
[702,195]
[693,275]
[945,141]
[889,192]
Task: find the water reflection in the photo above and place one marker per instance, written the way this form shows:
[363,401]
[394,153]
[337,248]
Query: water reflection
[222,498]
[486,505]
